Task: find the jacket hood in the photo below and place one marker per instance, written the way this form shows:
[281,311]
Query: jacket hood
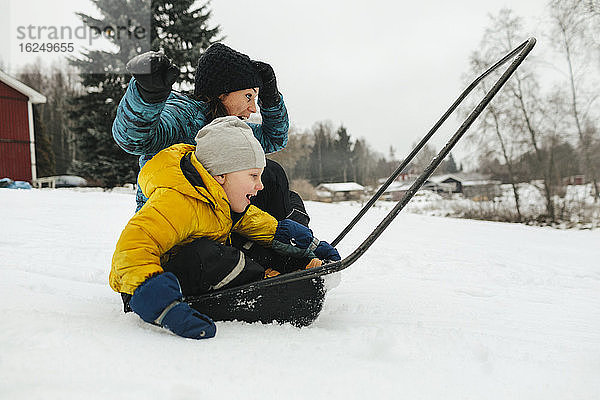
[171,169]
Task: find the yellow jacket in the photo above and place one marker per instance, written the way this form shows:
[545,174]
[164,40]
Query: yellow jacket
[185,203]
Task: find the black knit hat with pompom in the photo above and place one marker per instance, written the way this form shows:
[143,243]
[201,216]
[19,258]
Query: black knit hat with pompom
[223,70]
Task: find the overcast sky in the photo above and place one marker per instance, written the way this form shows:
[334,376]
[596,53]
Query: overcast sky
[387,70]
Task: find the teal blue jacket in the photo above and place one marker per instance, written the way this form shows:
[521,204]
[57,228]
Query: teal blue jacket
[144,129]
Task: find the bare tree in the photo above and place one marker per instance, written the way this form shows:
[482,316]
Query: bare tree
[423,158]
[575,27]
[58,83]
[527,107]
[298,148]
[494,138]
[511,124]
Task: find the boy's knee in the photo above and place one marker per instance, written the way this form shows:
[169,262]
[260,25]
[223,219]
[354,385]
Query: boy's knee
[204,265]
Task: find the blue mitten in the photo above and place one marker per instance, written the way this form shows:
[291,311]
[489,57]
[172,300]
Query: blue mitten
[158,301]
[325,251]
[294,239]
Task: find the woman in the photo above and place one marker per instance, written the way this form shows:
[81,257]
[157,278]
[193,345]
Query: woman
[151,117]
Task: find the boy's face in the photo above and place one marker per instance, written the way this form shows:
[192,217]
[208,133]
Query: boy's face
[240,186]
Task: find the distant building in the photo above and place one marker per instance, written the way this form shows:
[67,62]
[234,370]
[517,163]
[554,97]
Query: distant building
[397,189]
[473,186]
[17,138]
[574,180]
[448,183]
[331,192]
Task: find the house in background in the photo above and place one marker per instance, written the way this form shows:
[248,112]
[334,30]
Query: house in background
[449,183]
[17,137]
[331,192]
[470,185]
[398,189]
[574,180]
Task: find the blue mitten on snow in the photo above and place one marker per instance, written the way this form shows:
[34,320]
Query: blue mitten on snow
[292,238]
[158,301]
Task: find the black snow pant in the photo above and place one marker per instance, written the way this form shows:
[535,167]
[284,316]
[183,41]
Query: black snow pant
[205,265]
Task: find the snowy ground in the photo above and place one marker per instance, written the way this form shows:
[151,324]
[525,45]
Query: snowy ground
[576,209]
[438,308]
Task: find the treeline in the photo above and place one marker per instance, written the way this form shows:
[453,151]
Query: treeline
[325,154]
[56,144]
[543,133]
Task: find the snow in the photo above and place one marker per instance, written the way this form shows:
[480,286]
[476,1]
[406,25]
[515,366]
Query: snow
[341,187]
[437,308]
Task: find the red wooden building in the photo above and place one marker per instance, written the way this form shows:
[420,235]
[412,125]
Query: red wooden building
[17,139]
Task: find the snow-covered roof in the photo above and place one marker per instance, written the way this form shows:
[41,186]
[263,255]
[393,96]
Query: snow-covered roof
[442,178]
[481,183]
[323,193]
[34,96]
[399,186]
[460,176]
[341,187]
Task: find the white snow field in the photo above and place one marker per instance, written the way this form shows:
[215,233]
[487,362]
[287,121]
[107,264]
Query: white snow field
[438,308]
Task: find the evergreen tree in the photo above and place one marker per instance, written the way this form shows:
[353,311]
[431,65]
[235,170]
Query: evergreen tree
[342,148]
[449,165]
[176,28]
[362,164]
[321,166]
[181,31]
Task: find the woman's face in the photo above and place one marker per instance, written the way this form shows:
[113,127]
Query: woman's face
[240,103]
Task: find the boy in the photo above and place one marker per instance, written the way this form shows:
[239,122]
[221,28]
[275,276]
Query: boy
[198,196]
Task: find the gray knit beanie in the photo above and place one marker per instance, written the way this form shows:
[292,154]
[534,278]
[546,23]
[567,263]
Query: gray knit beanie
[226,145]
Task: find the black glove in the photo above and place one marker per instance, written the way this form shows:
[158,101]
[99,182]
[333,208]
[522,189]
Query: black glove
[268,94]
[155,74]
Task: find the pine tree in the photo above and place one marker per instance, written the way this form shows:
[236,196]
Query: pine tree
[182,33]
[320,167]
[342,153]
[450,165]
[361,162]
[177,28]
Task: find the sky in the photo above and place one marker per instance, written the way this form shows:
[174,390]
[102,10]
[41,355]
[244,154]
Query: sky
[386,70]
